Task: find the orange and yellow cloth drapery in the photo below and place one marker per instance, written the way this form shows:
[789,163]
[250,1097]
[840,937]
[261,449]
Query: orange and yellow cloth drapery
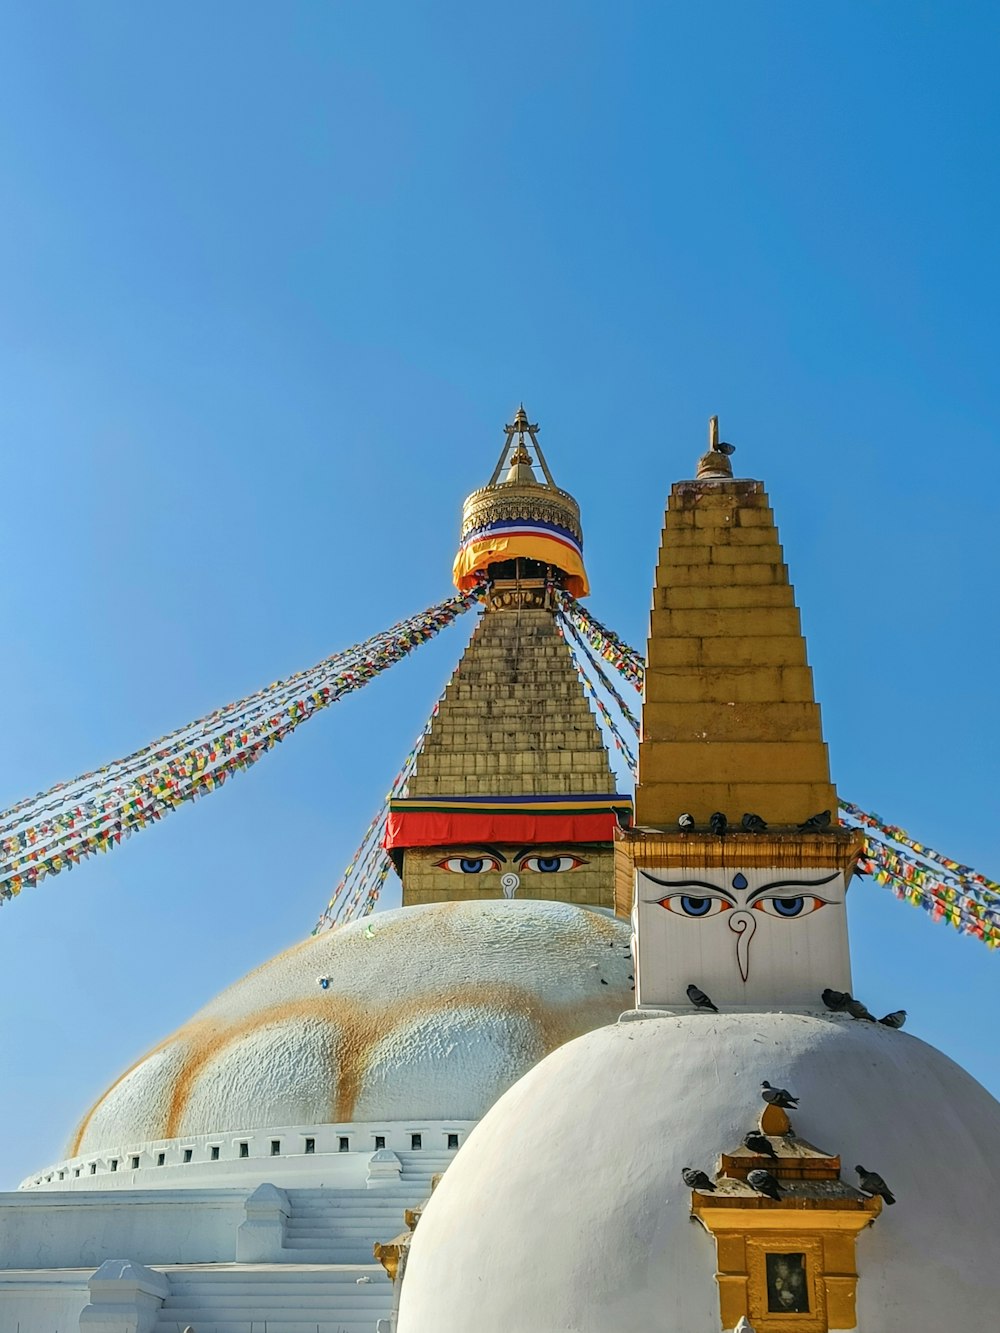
[530,539]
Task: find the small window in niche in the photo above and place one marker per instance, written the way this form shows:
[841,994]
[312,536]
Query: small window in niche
[76,1172]
[114,1164]
[161,1158]
[379,1141]
[452,1141]
[787,1288]
[244,1150]
[416,1141]
[310,1145]
[188,1154]
[93,1168]
[275,1147]
[343,1144]
[214,1152]
[135,1163]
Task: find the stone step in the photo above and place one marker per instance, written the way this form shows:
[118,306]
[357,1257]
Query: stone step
[330,1253]
[335,1240]
[350,1231]
[289,1307]
[252,1322]
[240,1291]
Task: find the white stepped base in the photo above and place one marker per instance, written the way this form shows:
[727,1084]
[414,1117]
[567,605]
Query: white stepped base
[340,1226]
[275,1298]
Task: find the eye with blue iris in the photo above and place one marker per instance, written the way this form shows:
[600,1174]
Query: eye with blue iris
[469,865]
[696,906]
[551,865]
[686,904]
[789,907]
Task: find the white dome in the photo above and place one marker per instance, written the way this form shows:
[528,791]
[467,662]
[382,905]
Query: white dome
[565,1209]
[430,1012]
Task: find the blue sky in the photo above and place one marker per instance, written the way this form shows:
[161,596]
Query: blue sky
[274,277]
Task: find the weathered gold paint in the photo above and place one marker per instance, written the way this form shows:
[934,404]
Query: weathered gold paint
[513,721]
[725,634]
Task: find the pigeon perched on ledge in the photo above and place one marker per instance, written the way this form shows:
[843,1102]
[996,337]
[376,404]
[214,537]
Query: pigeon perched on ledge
[778,1097]
[699,999]
[685,822]
[718,823]
[837,1000]
[760,1144]
[764,1183]
[816,823]
[754,824]
[872,1183]
[697,1180]
[894,1020]
[858,1010]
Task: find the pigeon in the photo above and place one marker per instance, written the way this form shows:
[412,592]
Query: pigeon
[858,1010]
[894,1020]
[754,824]
[718,823]
[699,999]
[837,1000]
[872,1183]
[759,1144]
[697,1180]
[816,823]
[685,822]
[764,1183]
[778,1097]
[603,982]
[723,448]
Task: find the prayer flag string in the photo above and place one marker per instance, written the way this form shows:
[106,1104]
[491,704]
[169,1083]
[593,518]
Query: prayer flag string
[161,777]
[370,865]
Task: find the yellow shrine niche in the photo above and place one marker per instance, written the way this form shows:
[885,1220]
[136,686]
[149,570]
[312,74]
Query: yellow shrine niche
[788,1265]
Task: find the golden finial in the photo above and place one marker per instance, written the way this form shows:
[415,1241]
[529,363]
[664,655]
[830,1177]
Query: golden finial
[517,458]
[518,515]
[715,465]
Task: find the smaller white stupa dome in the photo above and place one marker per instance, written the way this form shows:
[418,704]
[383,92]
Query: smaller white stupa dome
[565,1209]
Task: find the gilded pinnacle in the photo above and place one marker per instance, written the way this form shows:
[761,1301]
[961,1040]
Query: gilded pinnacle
[715,465]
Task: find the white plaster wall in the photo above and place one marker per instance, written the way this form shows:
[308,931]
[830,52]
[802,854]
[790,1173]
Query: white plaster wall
[431,1011]
[43,1302]
[72,1231]
[566,1210]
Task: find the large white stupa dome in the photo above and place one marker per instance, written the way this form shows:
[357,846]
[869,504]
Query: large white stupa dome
[429,1012]
[565,1209]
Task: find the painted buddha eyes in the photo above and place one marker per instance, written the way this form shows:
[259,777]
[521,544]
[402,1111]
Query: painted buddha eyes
[789,907]
[538,863]
[550,865]
[469,865]
[689,905]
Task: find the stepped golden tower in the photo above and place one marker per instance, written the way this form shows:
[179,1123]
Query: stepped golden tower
[513,793]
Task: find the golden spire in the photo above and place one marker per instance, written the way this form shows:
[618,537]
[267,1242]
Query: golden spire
[730,721]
